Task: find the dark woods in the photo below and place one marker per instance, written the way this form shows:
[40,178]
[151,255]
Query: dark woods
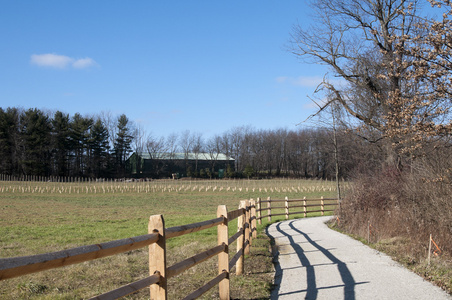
[36,143]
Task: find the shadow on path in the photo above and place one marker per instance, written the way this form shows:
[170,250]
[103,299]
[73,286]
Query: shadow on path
[312,289]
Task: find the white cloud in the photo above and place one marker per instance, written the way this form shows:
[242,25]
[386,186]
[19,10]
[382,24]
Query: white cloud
[311,81]
[281,79]
[83,63]
[52,60]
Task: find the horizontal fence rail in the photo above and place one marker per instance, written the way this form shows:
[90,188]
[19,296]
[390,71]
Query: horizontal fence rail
[247,215]
[159,273]
[18,266]
[308,205]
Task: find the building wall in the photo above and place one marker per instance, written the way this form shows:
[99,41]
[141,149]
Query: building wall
[153,168]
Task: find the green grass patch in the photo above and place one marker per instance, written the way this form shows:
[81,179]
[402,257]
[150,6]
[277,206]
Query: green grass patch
[45,217]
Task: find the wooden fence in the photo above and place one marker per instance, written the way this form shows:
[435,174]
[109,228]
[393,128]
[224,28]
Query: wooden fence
[308,206]
[248,214]
[156,240]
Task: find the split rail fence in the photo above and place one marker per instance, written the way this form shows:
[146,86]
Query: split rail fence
[156,240]
[249,212]
[321,206]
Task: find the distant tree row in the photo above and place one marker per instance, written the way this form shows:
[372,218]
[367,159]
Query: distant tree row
[304,153]
[34,142]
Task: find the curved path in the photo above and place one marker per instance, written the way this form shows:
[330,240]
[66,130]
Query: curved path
[315,262]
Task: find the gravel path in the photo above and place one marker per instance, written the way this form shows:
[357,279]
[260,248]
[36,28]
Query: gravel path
[315,262]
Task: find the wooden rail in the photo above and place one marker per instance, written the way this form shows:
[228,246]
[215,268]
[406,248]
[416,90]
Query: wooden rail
[18,266]
[320,205]
[247,215]
[156,238]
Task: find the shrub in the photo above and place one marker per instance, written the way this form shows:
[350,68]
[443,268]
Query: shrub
[411,204]
[249,171]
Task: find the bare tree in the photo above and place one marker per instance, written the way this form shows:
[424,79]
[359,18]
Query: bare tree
[172,148]
[226,145]
[197,147]
[156,149]
[171,144]
[186,142]
[109,122]
[362,42]
[139,136]
[255,151]
[237,136]
[213,147]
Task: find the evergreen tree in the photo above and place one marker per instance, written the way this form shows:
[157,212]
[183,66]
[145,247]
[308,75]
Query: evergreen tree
[123,142]
[9,141]
[229,171]
[99,146]
[80,131]
[36,135]
[61,144]
[249,171]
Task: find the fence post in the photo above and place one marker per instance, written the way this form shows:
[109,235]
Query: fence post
[253,219]
[304,207]
[259,214]
[322,205]
[286,205]
[269,209]
[241,241]
[223,257]
[247,227]
[157,258]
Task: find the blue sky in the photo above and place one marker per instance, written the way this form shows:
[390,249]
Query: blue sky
[205,66]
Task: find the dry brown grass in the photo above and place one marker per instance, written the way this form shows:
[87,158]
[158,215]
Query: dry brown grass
[39,222]
[396,212]
[84,280]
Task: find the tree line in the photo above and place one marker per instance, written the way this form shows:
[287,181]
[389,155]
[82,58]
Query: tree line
[300,152]
[38,143]
[389,80]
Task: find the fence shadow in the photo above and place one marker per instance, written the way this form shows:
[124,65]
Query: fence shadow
[311,292]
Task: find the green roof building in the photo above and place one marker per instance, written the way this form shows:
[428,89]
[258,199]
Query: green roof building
[176,165]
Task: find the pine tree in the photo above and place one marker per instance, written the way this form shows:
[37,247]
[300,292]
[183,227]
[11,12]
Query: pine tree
[80,127]
[36,135]
[123,142]
[9,141]
[61,146]
[99,146]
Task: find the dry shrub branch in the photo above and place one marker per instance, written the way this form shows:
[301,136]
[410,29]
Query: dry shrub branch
[398,210]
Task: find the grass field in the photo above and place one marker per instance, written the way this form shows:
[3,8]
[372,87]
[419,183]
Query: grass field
[38,217]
